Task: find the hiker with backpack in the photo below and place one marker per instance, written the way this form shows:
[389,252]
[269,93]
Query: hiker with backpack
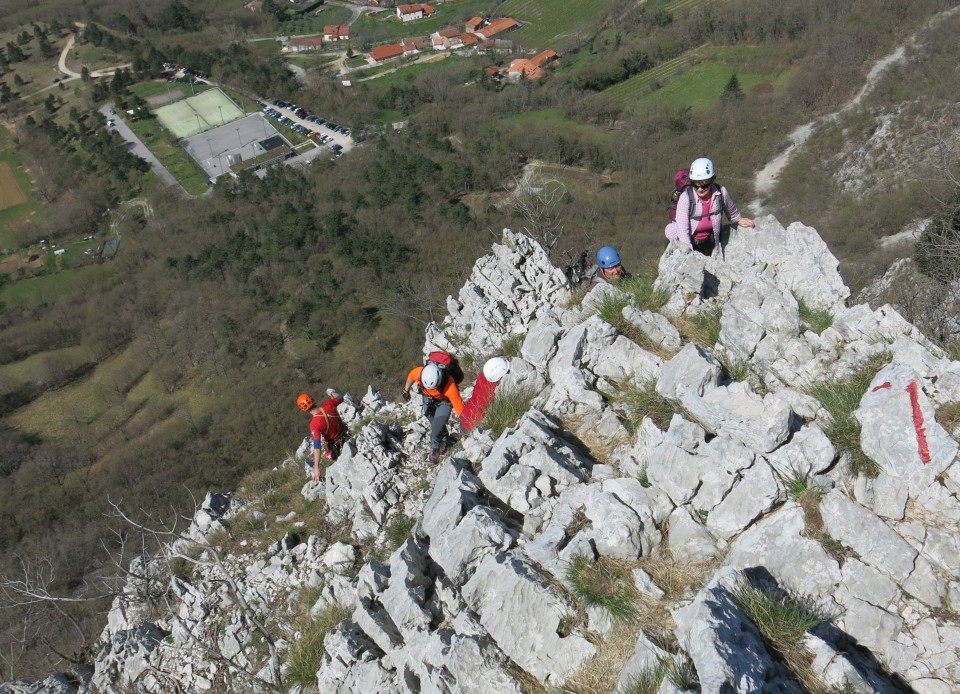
[326,428]
[438,382]
[698,206]
[484,392]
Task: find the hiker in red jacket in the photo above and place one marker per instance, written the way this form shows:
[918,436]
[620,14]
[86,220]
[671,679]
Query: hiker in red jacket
[326,428]
[440,395]
[484,391]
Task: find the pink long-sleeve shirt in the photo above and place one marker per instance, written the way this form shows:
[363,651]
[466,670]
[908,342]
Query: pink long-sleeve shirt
[684,226]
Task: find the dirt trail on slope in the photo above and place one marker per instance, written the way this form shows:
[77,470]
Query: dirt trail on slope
[767,177]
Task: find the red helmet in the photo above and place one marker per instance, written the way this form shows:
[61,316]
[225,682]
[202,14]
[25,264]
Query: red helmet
[305,402]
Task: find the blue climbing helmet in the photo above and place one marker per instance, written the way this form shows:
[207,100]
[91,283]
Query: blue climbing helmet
[608,257]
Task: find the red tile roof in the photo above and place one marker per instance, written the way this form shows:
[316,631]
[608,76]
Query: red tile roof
[474,23]
[308,41]
[386,51]
[449,32]
[498,26]
[544,57]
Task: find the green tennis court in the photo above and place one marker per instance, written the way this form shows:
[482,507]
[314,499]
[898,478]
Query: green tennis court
[198,114]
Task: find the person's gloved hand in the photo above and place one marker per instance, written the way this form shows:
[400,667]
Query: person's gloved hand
[404,395]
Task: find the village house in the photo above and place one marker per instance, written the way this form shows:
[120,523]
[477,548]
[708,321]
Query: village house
[307,43]
[474,23]
[336,32]
[497,26]
[409,13]
[254,5]
[413,44]
[446,38]
[531,68]
[386,52]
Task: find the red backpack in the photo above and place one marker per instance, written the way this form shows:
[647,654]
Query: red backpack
[448,364]
[681,180]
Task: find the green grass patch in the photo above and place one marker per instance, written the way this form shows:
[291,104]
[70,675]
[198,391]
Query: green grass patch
[546,22]
[783,621]
[681,81]
[407,71]
[817,320]
[398,530]
[18,223]
[355,61]
[511,345]
[507,409]
[178,163]
[147,89]
[307,651]
[642,292]
[647,681]
[840,398]
[702,328]
[644,401]
[604,583]
[44,290]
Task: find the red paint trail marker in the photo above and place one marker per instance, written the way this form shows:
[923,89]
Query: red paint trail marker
[922,447]
[881,387]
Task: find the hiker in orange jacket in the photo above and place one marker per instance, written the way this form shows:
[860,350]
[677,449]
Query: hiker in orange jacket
[326,428]
[440,395]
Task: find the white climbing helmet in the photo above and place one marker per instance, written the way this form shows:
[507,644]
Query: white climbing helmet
[702,169]
[496,368]
[430,376]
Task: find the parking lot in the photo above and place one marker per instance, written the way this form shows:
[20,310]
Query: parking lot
[336,137]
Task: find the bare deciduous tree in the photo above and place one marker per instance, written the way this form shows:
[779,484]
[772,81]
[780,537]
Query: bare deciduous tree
[537,199]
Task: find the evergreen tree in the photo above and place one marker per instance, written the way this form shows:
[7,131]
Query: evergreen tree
[733,90]
[18,80]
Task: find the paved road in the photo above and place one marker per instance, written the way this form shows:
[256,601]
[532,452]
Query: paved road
[141,151]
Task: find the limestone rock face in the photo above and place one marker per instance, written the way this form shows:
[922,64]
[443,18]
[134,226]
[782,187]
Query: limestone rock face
[467,575]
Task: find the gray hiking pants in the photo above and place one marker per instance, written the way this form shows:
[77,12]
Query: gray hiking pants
[438,412]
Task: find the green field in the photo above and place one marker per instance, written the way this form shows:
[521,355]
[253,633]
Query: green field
[199,113]
[313,22]
[178,163]
[17,223]
[42,290]
[398,76]
[544,23]
[148,89]
[696,79]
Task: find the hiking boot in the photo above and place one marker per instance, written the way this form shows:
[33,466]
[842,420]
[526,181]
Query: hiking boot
[434,455]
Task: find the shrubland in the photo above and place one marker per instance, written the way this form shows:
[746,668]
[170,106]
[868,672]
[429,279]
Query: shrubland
[172,368]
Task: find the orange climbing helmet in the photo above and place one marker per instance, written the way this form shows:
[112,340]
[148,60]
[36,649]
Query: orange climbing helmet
[305,402]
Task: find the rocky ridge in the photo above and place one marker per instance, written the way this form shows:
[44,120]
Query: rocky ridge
[481,597]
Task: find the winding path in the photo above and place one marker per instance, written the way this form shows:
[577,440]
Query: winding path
[767,177]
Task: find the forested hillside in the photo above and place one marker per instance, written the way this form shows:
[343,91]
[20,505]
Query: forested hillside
[171,367]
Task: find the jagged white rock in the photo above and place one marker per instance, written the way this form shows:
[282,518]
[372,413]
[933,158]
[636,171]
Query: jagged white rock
[482,587]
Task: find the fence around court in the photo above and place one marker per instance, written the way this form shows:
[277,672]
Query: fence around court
[198,114]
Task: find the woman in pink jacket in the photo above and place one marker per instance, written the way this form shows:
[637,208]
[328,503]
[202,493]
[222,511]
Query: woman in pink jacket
[700,210]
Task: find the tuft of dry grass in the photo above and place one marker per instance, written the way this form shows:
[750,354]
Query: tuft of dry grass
[600,674]
[948,416]
[676,578]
